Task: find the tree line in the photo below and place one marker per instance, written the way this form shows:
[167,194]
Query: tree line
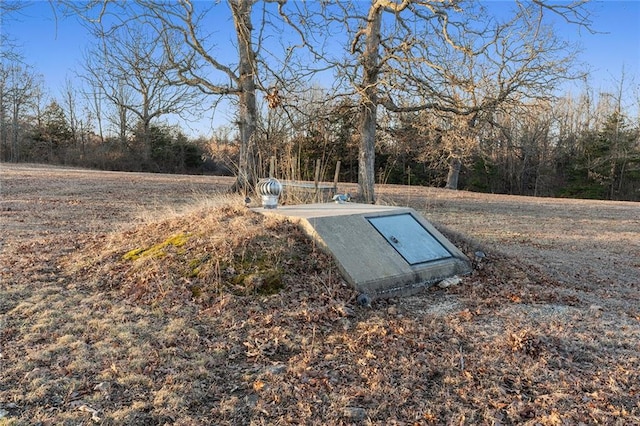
[408,92]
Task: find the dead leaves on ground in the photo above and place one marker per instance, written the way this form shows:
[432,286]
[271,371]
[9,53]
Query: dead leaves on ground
[186,336]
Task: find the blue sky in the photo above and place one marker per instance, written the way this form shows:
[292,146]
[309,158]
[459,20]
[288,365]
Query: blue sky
[54,47]
[615,46]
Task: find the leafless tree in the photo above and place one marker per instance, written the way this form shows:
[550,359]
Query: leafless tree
[20,89]
[197,50]
[449,56]
[16,83]
[109,99]
[94,100]
[130,69]
[70,105]
[9,9]
[78,114]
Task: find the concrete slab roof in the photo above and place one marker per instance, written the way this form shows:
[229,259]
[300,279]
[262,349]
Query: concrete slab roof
[374,260]
[308,211]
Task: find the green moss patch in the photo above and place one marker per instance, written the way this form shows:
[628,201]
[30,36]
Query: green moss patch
[157,250]
[205,255]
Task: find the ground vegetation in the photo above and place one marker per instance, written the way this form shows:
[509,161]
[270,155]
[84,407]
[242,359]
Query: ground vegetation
[132,298]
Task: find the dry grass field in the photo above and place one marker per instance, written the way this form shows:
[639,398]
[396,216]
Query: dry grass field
[149,299]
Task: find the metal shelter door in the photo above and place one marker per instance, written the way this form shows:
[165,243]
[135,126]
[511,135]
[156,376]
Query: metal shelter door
[409,238]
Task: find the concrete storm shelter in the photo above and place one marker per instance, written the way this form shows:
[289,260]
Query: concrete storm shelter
[382,251]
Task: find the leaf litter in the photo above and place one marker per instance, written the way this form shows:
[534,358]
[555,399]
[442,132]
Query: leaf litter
[236,318]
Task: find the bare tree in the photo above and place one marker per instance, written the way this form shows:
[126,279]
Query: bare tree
[199,54]
[20,88]
[70,106]
[94,104]
[131,70]
[9,9]
[4,111]
[108,98]
[448,56]
[78,114]
[16,83]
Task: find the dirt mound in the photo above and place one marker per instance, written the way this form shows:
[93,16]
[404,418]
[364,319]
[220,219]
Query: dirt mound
[200,256]
[205,254]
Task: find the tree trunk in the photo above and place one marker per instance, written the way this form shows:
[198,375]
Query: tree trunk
[15,149]
[371,58]
[3,129]
[454,172]
[247,117]
[366,155]
[612,176]
[147,147]
[122,125]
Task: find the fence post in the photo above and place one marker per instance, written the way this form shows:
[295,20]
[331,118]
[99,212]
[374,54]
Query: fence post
[336,177]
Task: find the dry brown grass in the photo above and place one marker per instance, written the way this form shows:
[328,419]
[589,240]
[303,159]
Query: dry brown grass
[117,310]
